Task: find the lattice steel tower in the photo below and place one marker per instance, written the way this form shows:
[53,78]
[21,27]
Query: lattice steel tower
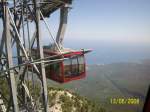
[21,74]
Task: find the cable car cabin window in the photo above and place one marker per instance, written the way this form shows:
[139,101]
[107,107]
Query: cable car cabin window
[81,64]
[67,67]
[74,66]
[55,69]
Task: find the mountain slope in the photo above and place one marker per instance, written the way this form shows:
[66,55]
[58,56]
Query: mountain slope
[117,80]
[65,101]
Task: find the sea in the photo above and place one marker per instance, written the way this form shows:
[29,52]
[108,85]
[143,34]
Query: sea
[107,52]
[110,52]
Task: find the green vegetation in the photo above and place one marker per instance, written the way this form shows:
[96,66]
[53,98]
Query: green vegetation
[94,92]
[117,80]
[67,103]
[75,103]
[5,89]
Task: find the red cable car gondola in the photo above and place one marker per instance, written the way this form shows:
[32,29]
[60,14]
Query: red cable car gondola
[72,68]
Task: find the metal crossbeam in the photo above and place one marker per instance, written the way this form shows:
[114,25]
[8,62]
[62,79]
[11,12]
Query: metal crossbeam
[10,61]
[41,55]
[17,16]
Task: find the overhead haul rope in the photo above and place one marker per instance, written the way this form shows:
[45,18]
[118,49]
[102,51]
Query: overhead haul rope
[48,27]
[50,33]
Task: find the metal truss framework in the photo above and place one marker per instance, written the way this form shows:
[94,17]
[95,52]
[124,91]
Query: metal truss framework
[16,36]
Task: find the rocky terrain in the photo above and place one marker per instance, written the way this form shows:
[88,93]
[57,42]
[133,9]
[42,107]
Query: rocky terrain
[61,100]
[116,80]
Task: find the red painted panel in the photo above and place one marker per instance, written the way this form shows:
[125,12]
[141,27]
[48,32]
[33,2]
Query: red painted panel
[51,74]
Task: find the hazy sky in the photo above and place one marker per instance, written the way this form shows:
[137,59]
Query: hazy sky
[116,30]
[123,21]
